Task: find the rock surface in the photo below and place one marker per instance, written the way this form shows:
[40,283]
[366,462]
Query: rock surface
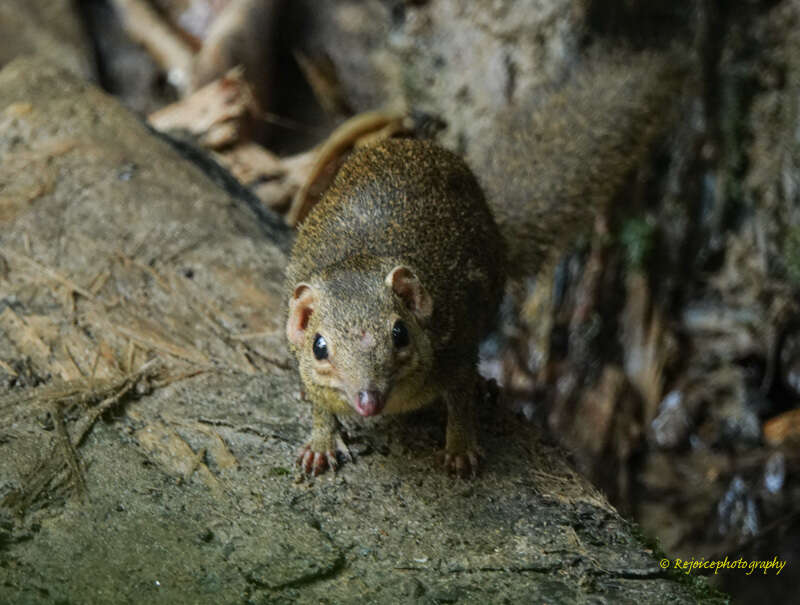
[459,61]
[177,482]
[49,28]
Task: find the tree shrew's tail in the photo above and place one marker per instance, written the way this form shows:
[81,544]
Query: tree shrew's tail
[561,159]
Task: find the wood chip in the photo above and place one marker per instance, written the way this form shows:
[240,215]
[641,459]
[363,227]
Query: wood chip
[784,428]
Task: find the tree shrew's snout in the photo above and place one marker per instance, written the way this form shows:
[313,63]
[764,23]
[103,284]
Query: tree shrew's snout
[369,402]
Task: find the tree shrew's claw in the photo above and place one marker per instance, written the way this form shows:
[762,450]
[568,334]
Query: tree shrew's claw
[464,464]
[316,463]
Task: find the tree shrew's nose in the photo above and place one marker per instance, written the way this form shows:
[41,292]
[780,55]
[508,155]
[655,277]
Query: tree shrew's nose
[369,402]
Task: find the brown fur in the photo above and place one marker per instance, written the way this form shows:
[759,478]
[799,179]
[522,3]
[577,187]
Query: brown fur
[560,159]
[416,208]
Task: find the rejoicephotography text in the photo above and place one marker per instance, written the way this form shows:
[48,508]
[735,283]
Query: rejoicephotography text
[688,566]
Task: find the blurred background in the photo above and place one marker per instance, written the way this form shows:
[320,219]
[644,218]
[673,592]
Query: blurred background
[663,351]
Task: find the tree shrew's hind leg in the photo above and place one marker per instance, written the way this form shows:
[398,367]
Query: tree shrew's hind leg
[461,452]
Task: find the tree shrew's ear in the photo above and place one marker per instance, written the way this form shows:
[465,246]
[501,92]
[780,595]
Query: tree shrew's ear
[407,286]
[301,307]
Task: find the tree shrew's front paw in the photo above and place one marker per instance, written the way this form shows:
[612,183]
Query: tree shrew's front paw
[316,463]
[316,460]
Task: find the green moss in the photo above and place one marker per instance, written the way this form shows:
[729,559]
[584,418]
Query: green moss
[791,255]
[637,238]
[701,589]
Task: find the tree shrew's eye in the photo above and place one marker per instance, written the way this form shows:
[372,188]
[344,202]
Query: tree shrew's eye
[400,334]
[320,347]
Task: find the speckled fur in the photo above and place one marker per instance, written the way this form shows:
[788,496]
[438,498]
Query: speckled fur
[411,203]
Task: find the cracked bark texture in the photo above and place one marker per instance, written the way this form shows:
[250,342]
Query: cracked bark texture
[115,251]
